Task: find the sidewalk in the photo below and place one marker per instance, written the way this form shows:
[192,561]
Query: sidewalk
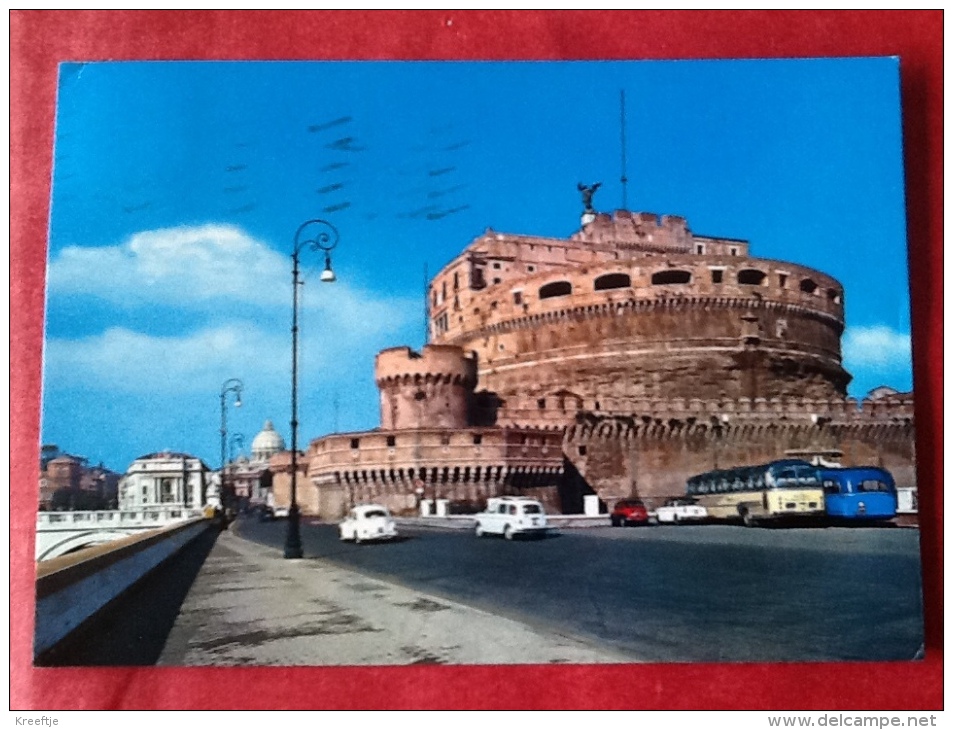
[250,606]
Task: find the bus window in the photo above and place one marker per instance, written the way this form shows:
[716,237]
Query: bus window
[872,485]
[806,475]
[786,477]
[831,487]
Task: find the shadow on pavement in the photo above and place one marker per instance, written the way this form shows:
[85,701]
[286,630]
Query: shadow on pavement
[133,629]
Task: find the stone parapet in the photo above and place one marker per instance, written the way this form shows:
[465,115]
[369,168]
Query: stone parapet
[434,363]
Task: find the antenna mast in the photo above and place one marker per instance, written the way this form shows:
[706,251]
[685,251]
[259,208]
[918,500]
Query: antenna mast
[624,180]
[426,308]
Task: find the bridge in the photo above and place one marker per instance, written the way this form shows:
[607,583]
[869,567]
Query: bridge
[59,533]
[191,594]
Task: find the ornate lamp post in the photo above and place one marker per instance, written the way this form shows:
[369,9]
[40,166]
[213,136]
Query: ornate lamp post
[318,235]
[232,385]
[239,440]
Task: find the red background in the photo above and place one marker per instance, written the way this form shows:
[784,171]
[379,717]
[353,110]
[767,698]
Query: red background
[41,39]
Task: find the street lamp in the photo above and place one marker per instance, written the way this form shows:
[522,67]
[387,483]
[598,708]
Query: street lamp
[239,440]
[318,235]
[232,385]
[236,439]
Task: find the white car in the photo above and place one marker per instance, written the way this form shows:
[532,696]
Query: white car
[512,516]
[368,522]
[681,510]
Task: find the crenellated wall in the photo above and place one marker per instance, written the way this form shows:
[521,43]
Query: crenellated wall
[399,467]
[639,231]
[652,452]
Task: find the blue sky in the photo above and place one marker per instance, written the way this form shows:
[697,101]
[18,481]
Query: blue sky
[178,187]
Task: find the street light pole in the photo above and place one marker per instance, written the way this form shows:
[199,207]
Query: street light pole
[232,385]
[318,235]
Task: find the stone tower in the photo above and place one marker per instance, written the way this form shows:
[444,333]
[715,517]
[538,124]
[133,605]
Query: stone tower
[431,388]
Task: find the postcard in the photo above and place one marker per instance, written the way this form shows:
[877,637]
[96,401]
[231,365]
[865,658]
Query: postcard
[478,363]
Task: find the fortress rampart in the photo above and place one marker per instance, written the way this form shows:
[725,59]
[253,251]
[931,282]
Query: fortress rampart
[652,456]
[469,465]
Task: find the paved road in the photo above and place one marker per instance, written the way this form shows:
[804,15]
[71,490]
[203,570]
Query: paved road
[666,593]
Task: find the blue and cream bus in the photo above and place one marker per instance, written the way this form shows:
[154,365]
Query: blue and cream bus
[859,493]
[784,489]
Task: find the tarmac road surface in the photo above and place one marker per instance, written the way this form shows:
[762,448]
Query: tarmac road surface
[701,593]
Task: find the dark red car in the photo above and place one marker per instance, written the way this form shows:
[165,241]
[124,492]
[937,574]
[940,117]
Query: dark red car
[629,512]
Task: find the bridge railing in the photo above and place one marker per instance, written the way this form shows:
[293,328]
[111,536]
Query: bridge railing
[117,518]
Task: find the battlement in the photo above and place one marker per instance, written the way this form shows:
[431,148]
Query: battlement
[724,416]
[435,363]
[627,229]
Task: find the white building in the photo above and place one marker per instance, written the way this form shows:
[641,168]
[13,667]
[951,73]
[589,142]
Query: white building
[167,479]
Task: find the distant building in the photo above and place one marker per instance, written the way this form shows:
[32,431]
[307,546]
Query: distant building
[249,479]
[267,443]
[167,478]
[67,482]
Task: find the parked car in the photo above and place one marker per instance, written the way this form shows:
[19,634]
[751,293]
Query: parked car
[280,512]
[681,510]
[512,516]
[265,513]
[368,522]
[629,512]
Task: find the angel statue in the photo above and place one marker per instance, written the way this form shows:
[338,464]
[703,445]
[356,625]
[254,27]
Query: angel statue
[587,192]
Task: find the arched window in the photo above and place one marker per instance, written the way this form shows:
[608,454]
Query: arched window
[612,281]
[671,276]
[555,289]
[834,295]
[808,286]
[752,277]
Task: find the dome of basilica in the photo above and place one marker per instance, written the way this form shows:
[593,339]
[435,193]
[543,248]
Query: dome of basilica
[267,443]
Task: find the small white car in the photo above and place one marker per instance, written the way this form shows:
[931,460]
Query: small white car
[368,522]
[512,516]
[680,510]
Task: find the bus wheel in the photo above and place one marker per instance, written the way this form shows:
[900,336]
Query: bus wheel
[748,519]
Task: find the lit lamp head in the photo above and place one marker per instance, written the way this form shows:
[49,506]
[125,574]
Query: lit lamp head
[328,275]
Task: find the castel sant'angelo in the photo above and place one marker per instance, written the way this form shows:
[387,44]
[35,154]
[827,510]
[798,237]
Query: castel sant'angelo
[616,362]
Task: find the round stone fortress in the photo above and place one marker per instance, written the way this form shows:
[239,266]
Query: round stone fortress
[634,307]
[616,362]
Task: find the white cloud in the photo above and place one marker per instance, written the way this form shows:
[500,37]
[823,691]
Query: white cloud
[185,266]
[878,348]
[120,359]
[237,294]
[123,360]
[198,268]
